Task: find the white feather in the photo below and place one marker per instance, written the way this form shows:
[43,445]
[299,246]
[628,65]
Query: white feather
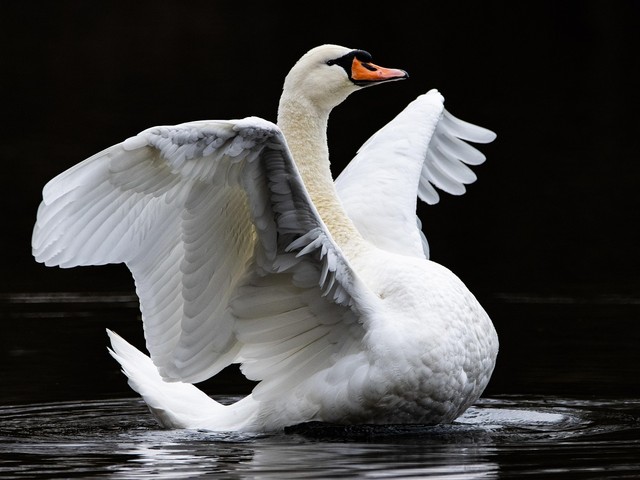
[322,293]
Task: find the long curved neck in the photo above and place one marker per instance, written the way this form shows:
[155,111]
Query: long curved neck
[305,128]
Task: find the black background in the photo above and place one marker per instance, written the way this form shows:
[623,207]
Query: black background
[555,207]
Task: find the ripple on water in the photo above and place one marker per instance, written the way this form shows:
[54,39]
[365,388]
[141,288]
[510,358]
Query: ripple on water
[497,436]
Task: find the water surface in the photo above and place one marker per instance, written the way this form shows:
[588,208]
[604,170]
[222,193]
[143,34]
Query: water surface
[543,437]
[564,402]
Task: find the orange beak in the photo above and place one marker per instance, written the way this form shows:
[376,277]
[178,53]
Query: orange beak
[363,73]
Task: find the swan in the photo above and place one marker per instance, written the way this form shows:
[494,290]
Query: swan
[244,250]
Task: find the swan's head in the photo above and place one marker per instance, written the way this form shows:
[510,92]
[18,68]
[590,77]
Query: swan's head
[328,74]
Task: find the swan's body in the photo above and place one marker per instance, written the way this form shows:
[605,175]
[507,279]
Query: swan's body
[322,291]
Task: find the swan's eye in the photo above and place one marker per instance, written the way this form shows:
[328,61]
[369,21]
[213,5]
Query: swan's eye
[344,61]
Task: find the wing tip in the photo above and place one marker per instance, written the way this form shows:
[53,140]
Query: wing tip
[468,131]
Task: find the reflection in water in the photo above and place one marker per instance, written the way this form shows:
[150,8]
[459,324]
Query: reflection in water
[53,347]
[516,435]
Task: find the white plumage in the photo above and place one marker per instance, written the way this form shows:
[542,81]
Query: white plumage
[244,250]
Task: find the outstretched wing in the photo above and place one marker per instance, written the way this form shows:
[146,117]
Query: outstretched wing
[205,215]
[422,148]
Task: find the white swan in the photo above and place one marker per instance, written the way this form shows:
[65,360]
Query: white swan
[241,255]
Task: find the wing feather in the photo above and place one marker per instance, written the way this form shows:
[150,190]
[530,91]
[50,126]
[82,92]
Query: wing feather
[419,152]
[230,257]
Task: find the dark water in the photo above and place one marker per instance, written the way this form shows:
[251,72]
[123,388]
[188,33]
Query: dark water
[541,437]
[564,402]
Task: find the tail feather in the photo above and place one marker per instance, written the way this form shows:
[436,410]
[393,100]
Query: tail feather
[173,404]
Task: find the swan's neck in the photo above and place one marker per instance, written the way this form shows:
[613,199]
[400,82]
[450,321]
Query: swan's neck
[305,128]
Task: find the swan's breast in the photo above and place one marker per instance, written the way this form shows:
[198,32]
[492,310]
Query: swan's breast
[432,345]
